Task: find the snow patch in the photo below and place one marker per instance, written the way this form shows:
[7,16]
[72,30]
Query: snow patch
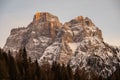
[70,32]
[92,28]
[75,32]
[44,39]
[73,46]
[50,53]
[36,41]
[109,54]
[33,32]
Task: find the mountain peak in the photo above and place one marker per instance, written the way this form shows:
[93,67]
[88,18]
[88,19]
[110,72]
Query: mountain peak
[78,42]
[83,27]
[45,17]
[84,21]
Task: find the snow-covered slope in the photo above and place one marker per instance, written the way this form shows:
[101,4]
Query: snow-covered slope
[78,43]
[81,45]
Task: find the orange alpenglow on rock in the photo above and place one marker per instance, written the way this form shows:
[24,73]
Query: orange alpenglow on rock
[80,17]
[37,16]
[52,30]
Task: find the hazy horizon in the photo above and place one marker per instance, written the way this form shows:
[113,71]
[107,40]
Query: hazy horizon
[105,14]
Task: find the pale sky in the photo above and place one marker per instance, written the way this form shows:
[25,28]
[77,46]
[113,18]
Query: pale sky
[104,13]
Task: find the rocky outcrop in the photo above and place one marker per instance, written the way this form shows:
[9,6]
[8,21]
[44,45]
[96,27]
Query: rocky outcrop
[45,17]
[77,42]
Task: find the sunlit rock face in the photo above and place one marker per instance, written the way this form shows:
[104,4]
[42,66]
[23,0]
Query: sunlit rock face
[45,17]
[77,42]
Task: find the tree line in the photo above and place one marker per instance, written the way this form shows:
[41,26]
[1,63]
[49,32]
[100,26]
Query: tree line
[22,68]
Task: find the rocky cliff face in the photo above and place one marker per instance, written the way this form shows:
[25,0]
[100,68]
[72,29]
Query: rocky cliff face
[36,37]
[77,42]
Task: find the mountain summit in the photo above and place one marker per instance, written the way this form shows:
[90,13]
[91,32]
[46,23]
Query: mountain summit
[45,17]
[77,42]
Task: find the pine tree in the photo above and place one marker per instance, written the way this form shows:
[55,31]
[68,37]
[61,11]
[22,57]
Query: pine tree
[37,70]
[69,72]
[12,67]
[3,65]
[22,63]
[77,74]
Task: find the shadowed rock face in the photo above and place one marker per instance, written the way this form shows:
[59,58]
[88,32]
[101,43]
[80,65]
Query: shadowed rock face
[77,42]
